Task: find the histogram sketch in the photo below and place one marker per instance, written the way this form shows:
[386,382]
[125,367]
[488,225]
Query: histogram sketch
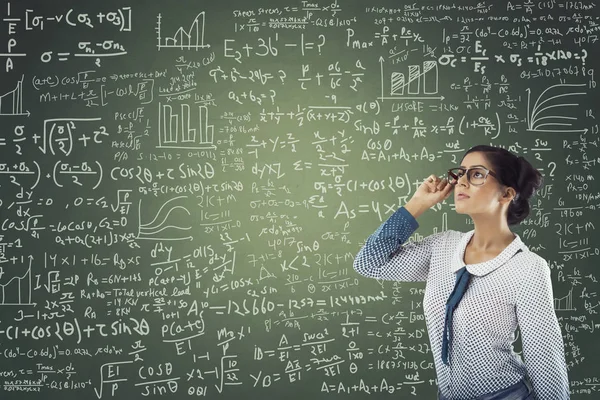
[16,290]
[189,39]
[11,102]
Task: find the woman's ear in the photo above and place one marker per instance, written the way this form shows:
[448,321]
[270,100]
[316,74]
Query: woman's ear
[509,194]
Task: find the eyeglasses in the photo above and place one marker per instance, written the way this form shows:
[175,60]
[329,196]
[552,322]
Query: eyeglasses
[476,176]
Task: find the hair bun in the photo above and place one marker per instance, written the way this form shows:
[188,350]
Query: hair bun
[522,170]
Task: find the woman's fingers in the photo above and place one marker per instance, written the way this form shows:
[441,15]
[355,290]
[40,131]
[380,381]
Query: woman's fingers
[436,184]
[441,184]
[430,181]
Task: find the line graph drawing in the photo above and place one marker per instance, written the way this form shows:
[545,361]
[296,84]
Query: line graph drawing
[17,290]
[538,122]
[166,224]
[189,39]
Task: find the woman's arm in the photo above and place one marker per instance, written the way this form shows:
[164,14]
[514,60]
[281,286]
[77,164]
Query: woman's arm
[384,256]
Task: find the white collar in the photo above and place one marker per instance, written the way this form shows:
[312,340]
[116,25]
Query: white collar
[485,267]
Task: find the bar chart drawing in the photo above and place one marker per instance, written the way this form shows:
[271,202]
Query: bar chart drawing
[17,290]
[182,130]
[421,79]
[189,39]
[418,81]
[11,102]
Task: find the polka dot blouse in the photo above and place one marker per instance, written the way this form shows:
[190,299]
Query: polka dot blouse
[513,289]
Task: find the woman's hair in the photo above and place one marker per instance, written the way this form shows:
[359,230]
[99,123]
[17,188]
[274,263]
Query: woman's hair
[516,172]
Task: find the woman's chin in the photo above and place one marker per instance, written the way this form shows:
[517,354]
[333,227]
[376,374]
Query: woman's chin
[460,209]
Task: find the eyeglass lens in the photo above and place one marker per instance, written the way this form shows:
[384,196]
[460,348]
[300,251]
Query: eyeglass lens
[476,176]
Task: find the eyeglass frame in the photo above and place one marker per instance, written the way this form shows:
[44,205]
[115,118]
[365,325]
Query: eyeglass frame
[488,172]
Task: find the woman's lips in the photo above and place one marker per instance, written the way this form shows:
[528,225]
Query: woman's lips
[462,196]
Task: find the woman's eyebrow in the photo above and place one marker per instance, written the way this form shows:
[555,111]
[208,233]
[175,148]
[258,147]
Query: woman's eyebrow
[462,166]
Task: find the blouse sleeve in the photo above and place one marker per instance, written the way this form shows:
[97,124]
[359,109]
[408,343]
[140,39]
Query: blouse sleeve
[384,256]
[543,346]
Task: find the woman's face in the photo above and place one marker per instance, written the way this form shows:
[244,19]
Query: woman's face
[482,198]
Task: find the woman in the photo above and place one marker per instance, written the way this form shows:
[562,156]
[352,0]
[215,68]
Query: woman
[481,284]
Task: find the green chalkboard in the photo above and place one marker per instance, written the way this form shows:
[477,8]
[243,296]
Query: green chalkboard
[185,186]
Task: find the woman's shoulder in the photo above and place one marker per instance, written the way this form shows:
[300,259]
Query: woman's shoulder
[537,266]
[455,236]
[447,240]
